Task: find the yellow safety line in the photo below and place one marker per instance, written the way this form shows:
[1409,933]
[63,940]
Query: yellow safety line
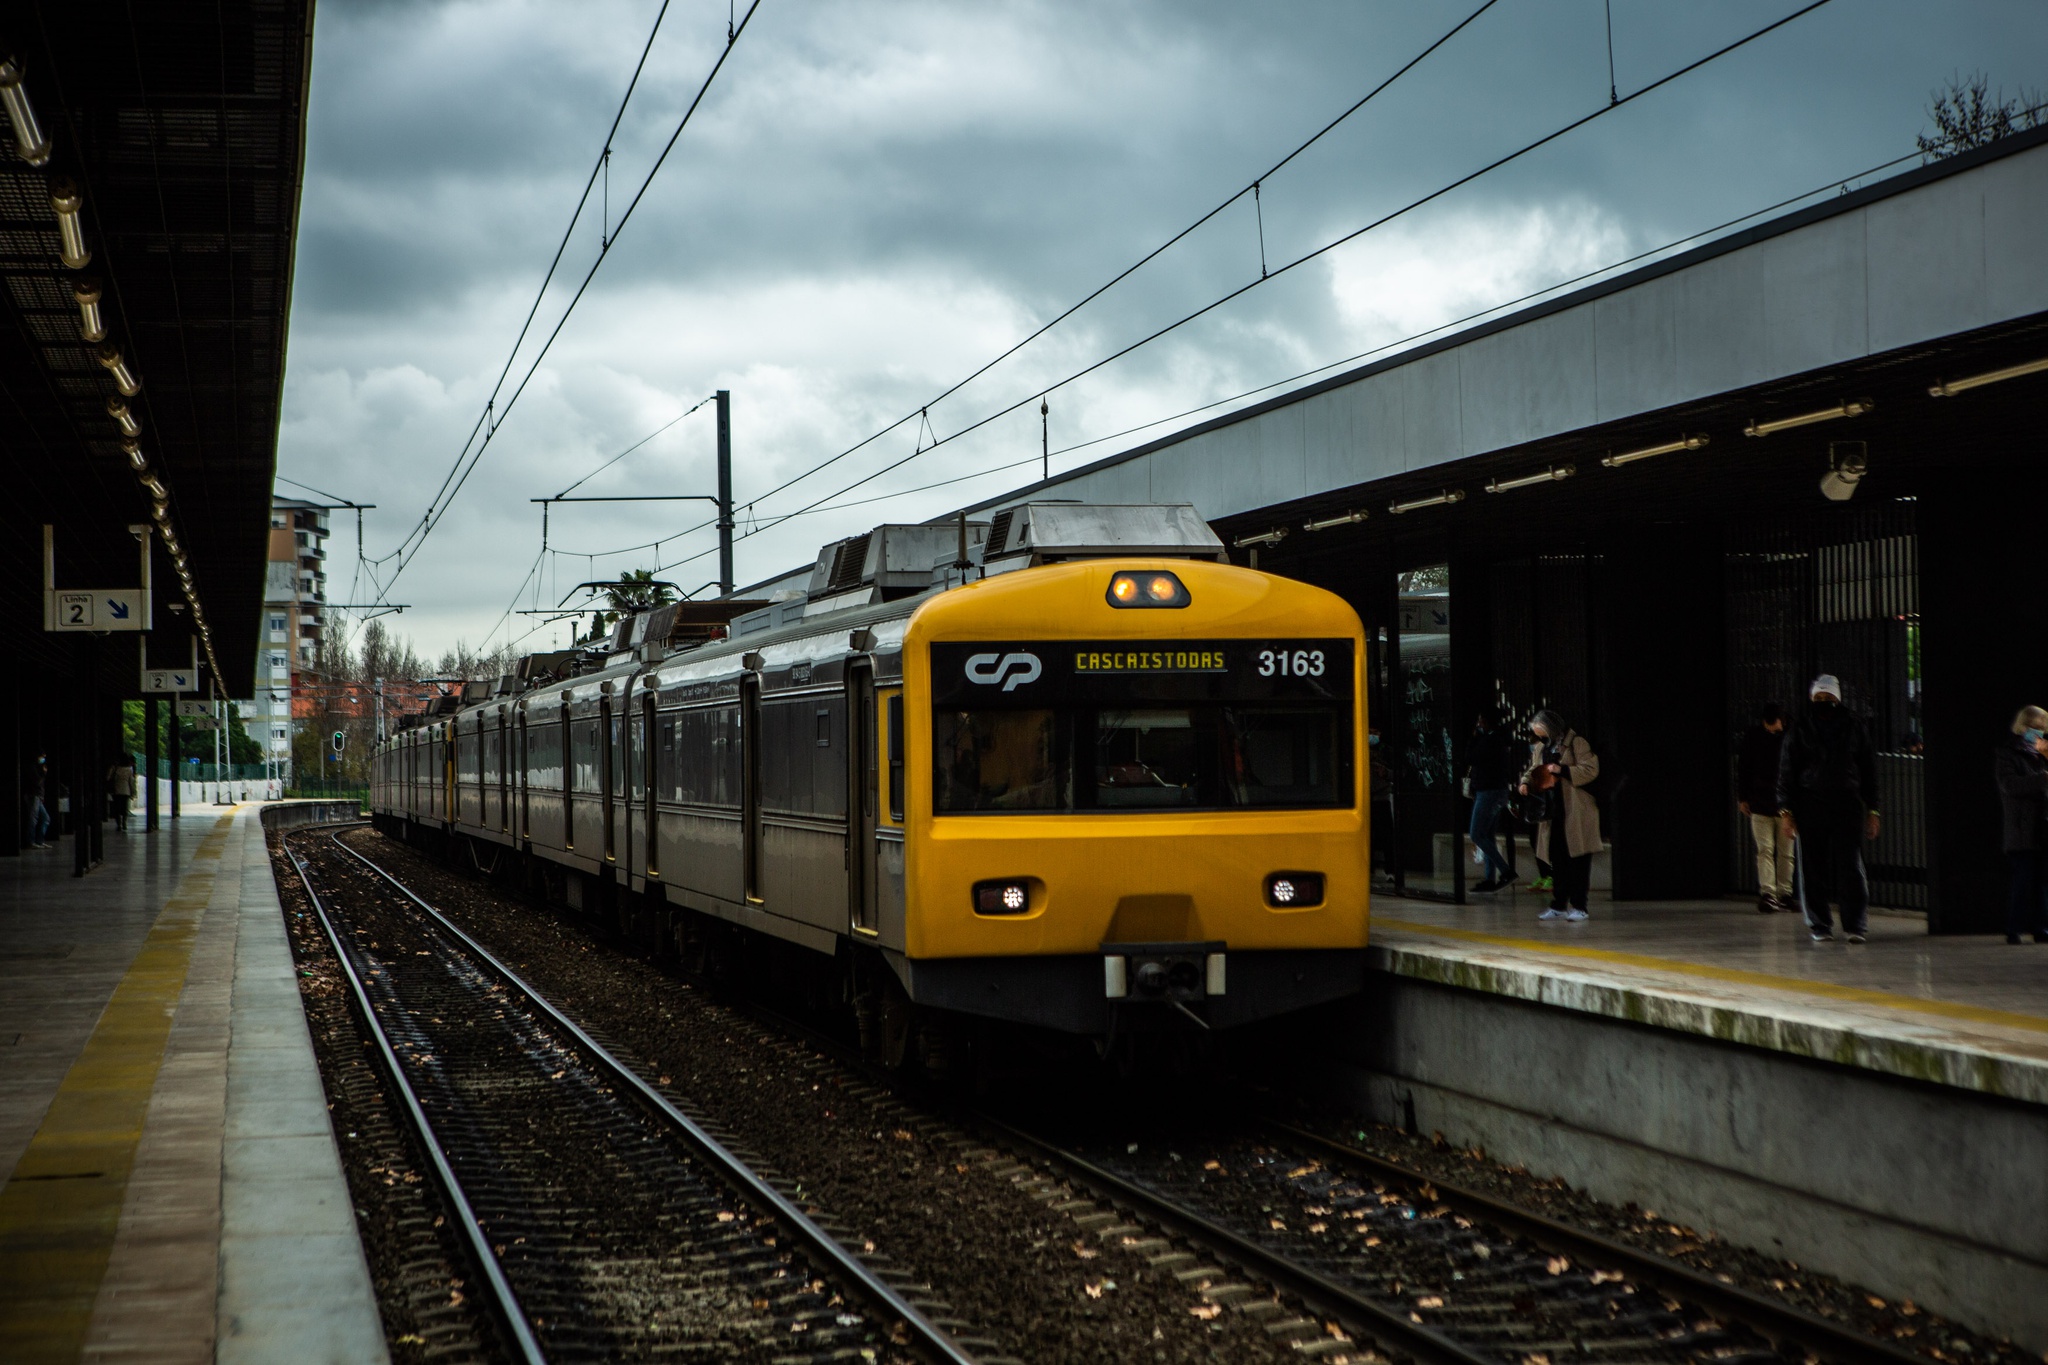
[1800,985]
[60,1208]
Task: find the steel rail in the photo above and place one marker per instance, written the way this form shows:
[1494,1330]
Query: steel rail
[928,1336]
[503,1298]
[1780,1321]
[1325,1296]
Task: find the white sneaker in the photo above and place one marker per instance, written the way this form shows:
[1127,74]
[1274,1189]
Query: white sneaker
[1552,912]
[1576,914]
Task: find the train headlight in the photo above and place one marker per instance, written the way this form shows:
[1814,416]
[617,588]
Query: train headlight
[1152,588]
[1009,896]
[1294,890]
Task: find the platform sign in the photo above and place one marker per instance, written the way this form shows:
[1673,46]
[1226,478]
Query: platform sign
[102,609]
[195,709]
[170,680]
[206,723]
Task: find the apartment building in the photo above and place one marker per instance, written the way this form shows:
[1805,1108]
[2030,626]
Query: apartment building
[294,615]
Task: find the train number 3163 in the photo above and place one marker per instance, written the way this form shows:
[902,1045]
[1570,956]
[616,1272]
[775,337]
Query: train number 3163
[1302,663]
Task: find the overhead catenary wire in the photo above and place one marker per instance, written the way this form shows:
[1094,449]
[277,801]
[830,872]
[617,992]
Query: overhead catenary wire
[922,415]
[1840,183]
[1250,187]
[1304,259]
[494,417]
[635,446]
[568,233]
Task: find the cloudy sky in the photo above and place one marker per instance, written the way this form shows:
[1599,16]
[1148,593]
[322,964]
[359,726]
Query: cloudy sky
[874,200]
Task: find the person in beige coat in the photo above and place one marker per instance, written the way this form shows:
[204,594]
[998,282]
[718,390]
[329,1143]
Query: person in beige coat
[1561,765]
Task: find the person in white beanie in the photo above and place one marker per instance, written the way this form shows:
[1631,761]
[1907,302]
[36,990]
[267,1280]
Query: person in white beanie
[1827,800]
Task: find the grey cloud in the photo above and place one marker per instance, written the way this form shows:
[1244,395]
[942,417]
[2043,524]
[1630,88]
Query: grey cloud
[876,198]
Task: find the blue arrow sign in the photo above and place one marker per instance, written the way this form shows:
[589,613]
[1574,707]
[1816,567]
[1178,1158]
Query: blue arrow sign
[118,608]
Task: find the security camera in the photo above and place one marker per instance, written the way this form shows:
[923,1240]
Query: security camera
[1848,461]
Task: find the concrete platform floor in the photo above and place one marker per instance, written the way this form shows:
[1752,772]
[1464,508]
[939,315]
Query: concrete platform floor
[1963,1011]
[173,1191]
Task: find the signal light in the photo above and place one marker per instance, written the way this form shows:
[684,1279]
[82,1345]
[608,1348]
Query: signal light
[1009,896]
[1152,588]
[1294,890]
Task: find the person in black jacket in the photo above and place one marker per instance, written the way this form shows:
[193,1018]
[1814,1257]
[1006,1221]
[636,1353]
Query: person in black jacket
[1756,796]
[1827,800]
[1492,762]
[2022,771]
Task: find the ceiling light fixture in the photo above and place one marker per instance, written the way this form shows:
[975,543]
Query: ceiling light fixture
[156,487]
[1554,474]
[1855,407]
[123,416]
[91,325]
[1616,461]
[1949,388]
[1272,537]
[133,450]
[1848,462]
[65,202]
[1443,499]
[1341,519]
[28,134]
[124,378]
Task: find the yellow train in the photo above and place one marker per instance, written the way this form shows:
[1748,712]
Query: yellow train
[1069,768]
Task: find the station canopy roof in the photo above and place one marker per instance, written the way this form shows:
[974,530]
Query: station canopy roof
[177,132]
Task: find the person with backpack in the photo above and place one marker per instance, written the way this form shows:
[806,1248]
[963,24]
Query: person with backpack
[2022,773]
[1827,802]
[1756,796]
[1562,766]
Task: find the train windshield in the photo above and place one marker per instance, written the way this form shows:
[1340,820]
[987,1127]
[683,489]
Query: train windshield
[1203,756]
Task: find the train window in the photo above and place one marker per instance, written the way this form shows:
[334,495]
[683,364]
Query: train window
[1154,757]
[1287,756]
[583,756]
[700,760]
[896,758]
[998,760]
[634,758]
[824,729]
[1206,756]
[543,756]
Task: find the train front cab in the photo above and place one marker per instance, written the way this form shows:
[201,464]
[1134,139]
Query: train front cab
[1131,815]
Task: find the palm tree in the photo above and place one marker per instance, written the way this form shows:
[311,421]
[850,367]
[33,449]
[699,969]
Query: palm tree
[635,591]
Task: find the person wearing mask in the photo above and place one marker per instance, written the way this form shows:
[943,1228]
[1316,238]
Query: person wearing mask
[1491,764]
[1561,765]
[1756,796]
[2021,767]
[1827,801]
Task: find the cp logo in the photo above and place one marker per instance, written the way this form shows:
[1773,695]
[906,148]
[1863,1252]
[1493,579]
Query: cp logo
[1011,670]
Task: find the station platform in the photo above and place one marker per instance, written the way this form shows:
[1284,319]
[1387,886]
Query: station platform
[172,1187]
[1970,1012]
[1876,1111]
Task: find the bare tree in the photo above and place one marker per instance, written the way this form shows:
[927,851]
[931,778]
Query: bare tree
[1968,113]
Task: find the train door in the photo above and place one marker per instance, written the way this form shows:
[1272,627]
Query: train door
[448,772]
[483,772]
[525,796]
[504,772]
[568,752]
[646,732]
[750,786]
[863,772]
[608,761]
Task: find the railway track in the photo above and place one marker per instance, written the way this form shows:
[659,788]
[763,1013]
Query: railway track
[603,1221]
[1427,1268]
[1334,1252]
